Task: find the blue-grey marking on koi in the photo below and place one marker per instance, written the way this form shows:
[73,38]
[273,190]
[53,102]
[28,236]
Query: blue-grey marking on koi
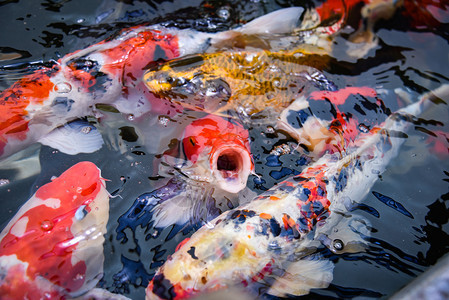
[284,187]
[275,227]
[64,103]
[162,287]
[342,180]
[159,53]
[303,224]
[306,210]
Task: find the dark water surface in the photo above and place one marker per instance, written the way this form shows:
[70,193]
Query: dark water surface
[407,207]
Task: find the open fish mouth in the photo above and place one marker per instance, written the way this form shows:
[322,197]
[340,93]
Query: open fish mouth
[231,166]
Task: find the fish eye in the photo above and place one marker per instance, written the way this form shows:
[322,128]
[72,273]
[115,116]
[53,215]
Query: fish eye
[169,79]
[81,212]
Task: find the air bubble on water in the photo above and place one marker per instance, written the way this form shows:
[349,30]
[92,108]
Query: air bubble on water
[155,233]
[130,117]
[63,87]
[4,182]
[53,178]
[224,13]
[80,20]
[79,189]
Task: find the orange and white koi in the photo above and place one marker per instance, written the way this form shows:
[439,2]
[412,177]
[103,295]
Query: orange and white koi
[211,165]
[271,240]
[53,247]
[221,149]
[107,73]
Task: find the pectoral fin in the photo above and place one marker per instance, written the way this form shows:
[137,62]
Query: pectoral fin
[280,21]
[75,137]
[302,276]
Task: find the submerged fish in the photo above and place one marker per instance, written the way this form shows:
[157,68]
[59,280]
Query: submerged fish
[269,241]
[107,73]
[209,170]
[246,81]
[334,121]
[53,247]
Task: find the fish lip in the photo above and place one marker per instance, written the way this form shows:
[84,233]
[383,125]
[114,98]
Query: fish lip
[231,165]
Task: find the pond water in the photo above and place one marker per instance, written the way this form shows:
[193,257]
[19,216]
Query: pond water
[404,241]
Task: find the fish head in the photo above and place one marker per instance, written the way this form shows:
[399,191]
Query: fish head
[169,75]
[57,235]
[183,81]
[209,261]
[221,148]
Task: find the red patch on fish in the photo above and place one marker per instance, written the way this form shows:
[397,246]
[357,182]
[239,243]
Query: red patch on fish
[182,244]
[213,132]
[33,90]
[130,58]
[339,97]
[46,242]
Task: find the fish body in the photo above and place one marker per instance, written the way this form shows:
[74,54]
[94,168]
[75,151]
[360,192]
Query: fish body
[53,247]
[246,81]
[103,73]
[269,240]
[107,73]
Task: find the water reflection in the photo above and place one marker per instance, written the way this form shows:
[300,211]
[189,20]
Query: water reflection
[412,53]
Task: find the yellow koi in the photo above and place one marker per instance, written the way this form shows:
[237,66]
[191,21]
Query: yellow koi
[246,81]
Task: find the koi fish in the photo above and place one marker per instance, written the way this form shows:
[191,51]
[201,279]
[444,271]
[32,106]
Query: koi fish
[321,123]
[53,246]
[272,240]
[209,179]
[246,81]
[107,73]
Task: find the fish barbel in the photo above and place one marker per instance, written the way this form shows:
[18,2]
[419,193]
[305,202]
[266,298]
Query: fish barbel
[269,240]
[246,81]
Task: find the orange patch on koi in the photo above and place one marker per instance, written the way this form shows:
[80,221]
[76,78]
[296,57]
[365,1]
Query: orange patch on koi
[265,216]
